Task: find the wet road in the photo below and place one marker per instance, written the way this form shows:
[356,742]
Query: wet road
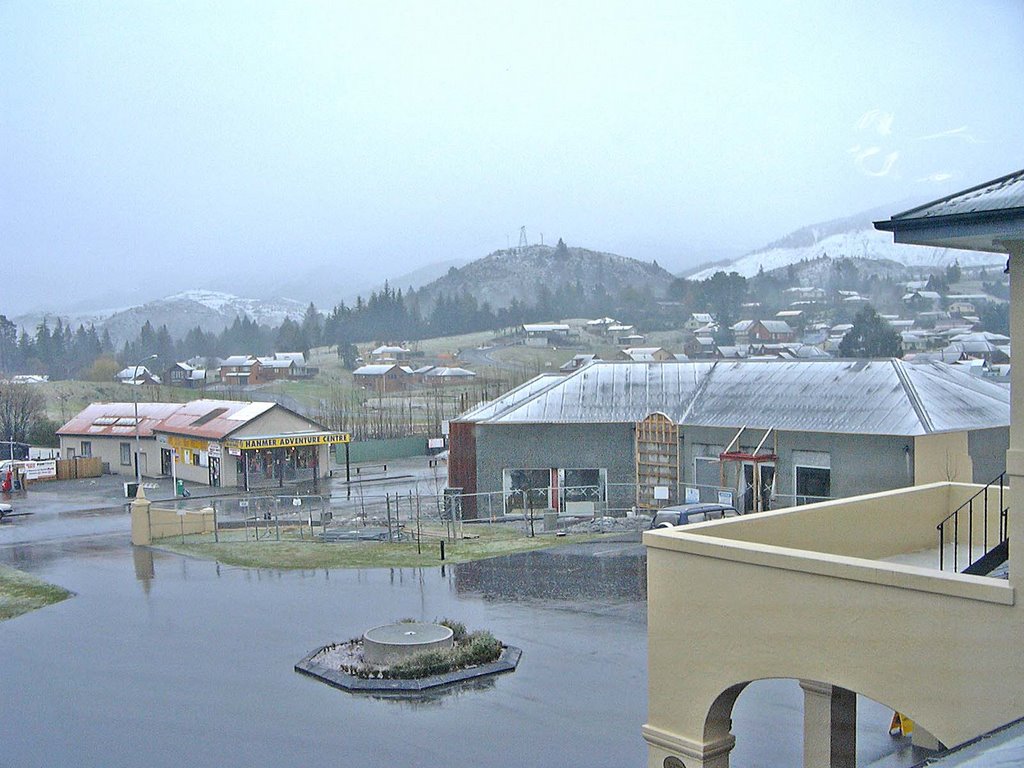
[163,660]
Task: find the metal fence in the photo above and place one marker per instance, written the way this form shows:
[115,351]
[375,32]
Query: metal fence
[295,516]
[615,500]
[399,516]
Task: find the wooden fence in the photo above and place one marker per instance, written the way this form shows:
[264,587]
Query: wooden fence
[72,469]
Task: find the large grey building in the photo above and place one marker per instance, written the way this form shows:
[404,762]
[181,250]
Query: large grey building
[618,435]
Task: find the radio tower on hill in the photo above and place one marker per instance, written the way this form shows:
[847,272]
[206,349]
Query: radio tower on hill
[522,240]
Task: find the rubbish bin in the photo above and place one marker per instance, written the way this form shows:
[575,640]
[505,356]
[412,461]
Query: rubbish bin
[179,489]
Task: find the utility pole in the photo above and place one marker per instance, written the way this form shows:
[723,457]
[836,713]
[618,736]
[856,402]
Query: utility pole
[135,399]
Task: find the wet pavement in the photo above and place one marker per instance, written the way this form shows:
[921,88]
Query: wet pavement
[165,660]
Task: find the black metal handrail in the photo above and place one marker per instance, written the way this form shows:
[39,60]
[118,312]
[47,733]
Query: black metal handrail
[969,506]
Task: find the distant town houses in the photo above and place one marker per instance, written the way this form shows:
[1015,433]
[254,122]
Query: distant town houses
[234,370]
[698,320]
[646,354]
[28,378]
[138,375]
[577,362]
[383,378]
[546,334]
[390,353]
[185,375]
[943,329]
[249,369]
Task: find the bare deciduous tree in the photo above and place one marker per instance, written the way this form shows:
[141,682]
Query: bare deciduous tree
[20,407]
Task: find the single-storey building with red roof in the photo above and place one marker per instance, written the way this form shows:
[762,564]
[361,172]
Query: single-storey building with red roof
[214,442]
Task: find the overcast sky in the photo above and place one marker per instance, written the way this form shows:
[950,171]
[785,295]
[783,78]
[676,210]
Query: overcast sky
[149,147]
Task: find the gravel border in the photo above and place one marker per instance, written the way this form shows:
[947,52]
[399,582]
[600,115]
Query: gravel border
[507,662]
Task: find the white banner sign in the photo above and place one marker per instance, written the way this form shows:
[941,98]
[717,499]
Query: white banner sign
[39,470]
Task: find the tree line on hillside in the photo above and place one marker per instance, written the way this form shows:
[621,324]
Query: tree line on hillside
[60,352]
[391,315]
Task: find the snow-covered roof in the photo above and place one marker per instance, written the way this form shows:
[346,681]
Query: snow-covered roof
[136,375]
[375,369]
[643,353]
[776,326]
[238,360]
[450,373]
[884,397]
[577,361]
[273,362]
[995,338]
[545,328]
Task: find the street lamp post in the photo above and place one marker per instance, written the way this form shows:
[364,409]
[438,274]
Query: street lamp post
[135,399]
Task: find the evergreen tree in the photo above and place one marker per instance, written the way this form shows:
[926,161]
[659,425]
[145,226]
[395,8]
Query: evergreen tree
[312,328]
[870,337]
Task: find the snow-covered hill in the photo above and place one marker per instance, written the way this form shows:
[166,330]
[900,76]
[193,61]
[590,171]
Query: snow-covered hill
[210,310]
[520,274]
[263,311]
[854,237]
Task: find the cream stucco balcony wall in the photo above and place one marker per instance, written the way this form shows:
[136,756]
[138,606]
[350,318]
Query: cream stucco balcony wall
[805,593]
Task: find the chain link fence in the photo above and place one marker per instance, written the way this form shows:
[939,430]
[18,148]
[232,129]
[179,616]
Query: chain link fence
[359,515]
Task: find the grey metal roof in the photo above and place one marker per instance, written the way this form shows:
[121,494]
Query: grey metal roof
[996,195]
[980,218]
[512,398]
[885,397]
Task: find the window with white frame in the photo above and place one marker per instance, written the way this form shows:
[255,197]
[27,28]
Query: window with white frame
[86,449]
[812,476]
[582,485]
[126,454]
[707,470]
[527,488]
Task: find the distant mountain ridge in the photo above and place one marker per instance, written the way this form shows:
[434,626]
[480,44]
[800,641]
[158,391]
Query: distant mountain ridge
[520,273]
[213,311]
[853,237]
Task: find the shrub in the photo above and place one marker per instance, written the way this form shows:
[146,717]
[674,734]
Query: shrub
[472,649]
[457,627]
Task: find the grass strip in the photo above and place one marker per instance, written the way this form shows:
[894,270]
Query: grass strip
[21,593]
[362,554]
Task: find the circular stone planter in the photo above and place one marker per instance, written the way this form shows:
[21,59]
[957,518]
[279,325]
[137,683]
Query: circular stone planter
[391,643]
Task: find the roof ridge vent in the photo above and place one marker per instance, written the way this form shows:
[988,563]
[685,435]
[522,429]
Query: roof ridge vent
[915,399]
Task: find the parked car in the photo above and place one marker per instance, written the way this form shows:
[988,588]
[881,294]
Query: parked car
[683,514]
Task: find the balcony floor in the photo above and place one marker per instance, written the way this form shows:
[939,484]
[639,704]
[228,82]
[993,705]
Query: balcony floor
[929,558]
